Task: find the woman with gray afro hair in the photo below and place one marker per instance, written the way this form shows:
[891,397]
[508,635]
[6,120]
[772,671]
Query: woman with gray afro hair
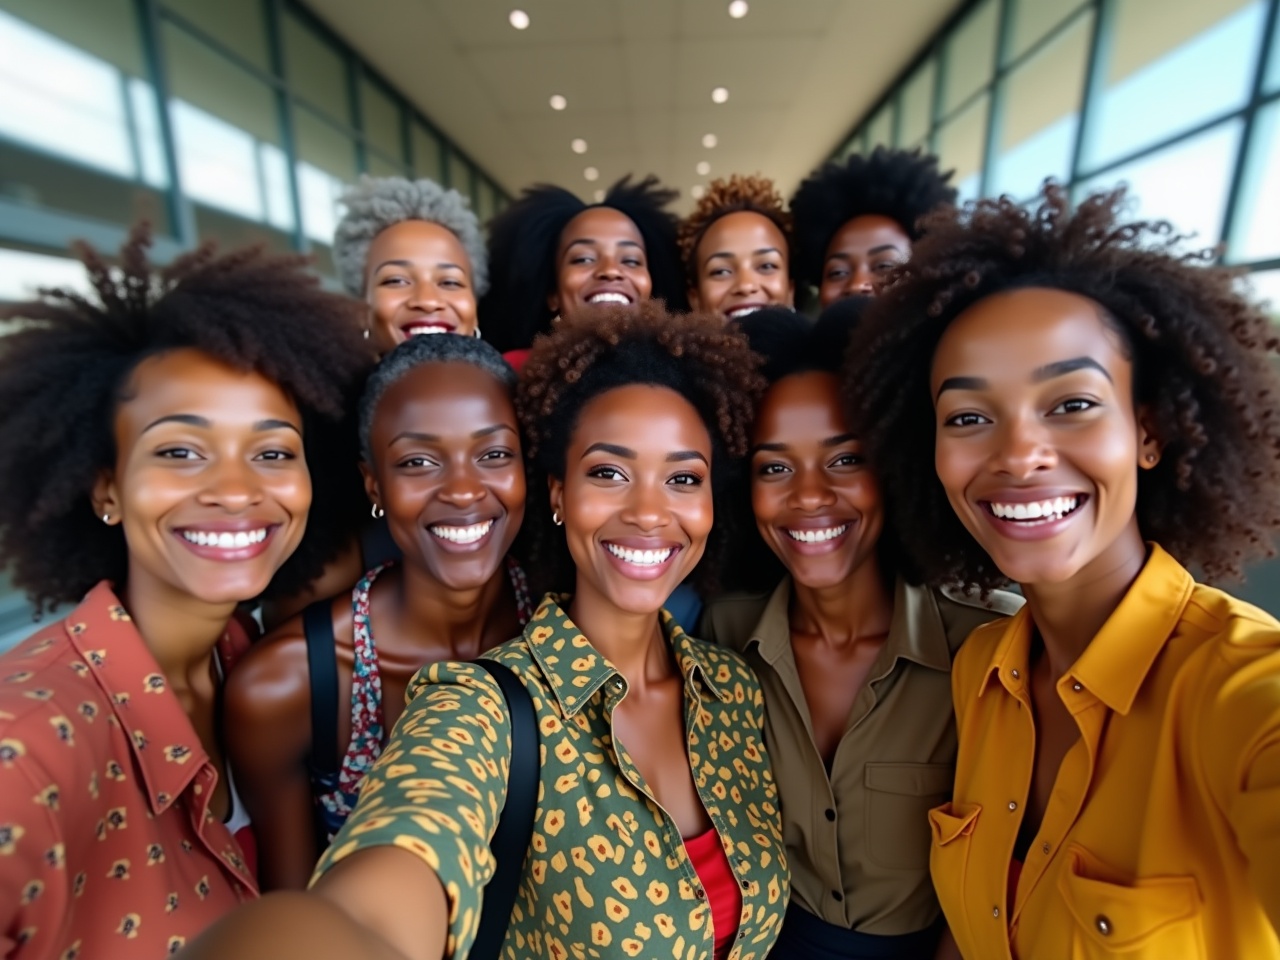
[413,251]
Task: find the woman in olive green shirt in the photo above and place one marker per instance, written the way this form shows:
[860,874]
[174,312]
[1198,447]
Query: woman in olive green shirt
[854,663]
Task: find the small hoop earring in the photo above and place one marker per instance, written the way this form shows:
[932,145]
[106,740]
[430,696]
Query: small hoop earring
[477,333]
[555,518]
[106,518]
[366,333]
[377,512]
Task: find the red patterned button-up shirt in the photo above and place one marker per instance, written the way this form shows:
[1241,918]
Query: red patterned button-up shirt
[107,845]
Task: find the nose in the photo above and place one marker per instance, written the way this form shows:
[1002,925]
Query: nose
[861,280]
[462,487]
[746,283]
[232,484]
[646,507]
[608,268]
[809,492]
[1023,448]
[425,296]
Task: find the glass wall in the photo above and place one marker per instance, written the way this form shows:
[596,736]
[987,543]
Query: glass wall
[1180,99]
[238,121]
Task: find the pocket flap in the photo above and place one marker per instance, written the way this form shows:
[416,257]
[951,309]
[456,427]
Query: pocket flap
[952,820]
[910,779]
[1124,916]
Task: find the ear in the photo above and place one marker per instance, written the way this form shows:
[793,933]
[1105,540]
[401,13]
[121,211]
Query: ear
[1150,448]
[695,301]
[106,498]
[370,484]
[555,489]
[553,302]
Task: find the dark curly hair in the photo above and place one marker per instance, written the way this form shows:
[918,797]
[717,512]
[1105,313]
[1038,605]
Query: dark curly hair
[903,185]
[1202,367]
[696,355]
[63,373]
[523,240]
[738,194]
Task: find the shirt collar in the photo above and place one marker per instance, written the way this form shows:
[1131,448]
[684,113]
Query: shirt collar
[916,631]
[161,738]
[1116,662]
[575,670]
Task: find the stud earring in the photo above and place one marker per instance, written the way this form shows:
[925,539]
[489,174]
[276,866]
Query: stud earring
[366,333]
[377,512]
[106,518]
[1151,458]
[555,518]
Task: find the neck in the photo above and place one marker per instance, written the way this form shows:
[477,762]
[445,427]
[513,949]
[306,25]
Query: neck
[458,618]
[180,630]
[1068,615]
[858,606]
[632,642]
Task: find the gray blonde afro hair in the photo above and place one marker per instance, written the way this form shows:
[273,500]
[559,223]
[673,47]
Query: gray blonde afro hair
[376,203]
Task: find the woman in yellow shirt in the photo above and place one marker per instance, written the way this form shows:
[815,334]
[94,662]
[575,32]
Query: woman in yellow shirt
[1066,402]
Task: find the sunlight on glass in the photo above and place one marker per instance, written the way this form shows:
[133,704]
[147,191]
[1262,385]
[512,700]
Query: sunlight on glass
[1257,229]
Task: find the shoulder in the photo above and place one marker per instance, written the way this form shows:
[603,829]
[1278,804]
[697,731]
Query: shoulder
[729,620]
[964,611]
[1236,632]
[724,667]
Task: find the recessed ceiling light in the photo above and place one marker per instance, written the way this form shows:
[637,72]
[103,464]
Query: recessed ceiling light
[709,141]
[697,190]
[591,173]
[738,9]
[579,145]
[703,168]
[558,102]
[520,20]
[599,195]
[719,94]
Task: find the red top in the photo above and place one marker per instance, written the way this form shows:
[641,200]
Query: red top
[107,847]
[517,358]
[712,867]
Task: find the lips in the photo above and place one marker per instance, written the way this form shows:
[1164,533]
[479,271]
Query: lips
[743,310]
[642,558]
[1032,515]
[420,328]
[616,297]
[227,543]
[463,534]
[1034,512]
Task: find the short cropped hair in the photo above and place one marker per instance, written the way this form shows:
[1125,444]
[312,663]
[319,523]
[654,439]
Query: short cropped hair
[413,353]
[738,194]
[63,372]
[1202,359]
[376,203]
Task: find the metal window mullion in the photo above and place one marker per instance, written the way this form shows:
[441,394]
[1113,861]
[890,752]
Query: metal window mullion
[217,46]
[355,72]
[181,213]
[995,106]
[284,115]
[1094,83]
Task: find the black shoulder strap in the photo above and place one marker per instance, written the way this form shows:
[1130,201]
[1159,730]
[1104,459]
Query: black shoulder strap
[511,840]
[322,659]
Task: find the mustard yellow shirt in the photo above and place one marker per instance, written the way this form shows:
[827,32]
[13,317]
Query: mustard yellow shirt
[1161,839]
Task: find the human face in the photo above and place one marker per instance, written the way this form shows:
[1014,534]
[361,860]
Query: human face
[742,266]
[816,504]
[1038,441]
[418,282]
[209,483]
[636,496]
[859,255]
[601,260]
[447,470]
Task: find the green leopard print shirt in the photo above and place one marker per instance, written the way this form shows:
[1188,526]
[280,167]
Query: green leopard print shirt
[607,874]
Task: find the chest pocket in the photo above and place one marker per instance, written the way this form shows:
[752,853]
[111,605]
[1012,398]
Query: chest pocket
[1144,920]
[899,797]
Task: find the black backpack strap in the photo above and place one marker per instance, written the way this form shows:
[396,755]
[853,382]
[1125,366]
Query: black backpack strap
[322,660]
[511,839]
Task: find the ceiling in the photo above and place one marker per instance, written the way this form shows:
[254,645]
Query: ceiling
[638,76]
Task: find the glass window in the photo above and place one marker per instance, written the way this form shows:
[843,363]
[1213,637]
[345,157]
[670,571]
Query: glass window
[107,29]
[879,131]
[1032,20]
[484,200]
[426,152]
[961,144]
[317,71]
[23,274]
[79,132]
[239,25]
[376,165]
[1256,233]
[1172,65]
[970,55]
[1186,185]
[1041,113]
[916,105]
[1273,69]
[1264,287]
[326,164]
[459,173]
[380,117]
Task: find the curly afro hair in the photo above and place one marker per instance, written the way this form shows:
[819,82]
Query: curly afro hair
[63,374]
[524,238]
[903,185]
[738,194]
[697,355]
[1202,368]
[376,203]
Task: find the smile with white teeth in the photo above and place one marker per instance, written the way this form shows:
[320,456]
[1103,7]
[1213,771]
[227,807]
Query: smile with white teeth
[817,536]
[476,531]
[641,558]
[608,296]
[225,541]
[1040,511]
[744,311]
[424,329]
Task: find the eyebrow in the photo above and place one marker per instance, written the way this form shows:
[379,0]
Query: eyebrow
[444,265]
[1048,372]
[627,453]
[754,253]
[592,242]
[204,423]
[781,447]
[435,437]
[883,248]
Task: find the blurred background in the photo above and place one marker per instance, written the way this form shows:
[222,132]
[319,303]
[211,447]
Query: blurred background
[240,120]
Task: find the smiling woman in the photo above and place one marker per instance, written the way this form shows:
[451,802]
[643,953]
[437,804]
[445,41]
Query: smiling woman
[160,453]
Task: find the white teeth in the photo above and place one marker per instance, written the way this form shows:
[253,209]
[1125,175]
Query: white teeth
[225,541]
[742,311]
[426,329]
[477,531]
[608,298]
[817,536]
[1041,510]
[641,558]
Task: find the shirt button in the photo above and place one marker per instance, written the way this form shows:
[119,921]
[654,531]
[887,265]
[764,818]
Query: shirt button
[700,893]
[830,814]
[839,897]
[1015,674]
[1045,849]
[616,683]
[1103,925]
[1077,686]
[995,912]
[1013,805]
